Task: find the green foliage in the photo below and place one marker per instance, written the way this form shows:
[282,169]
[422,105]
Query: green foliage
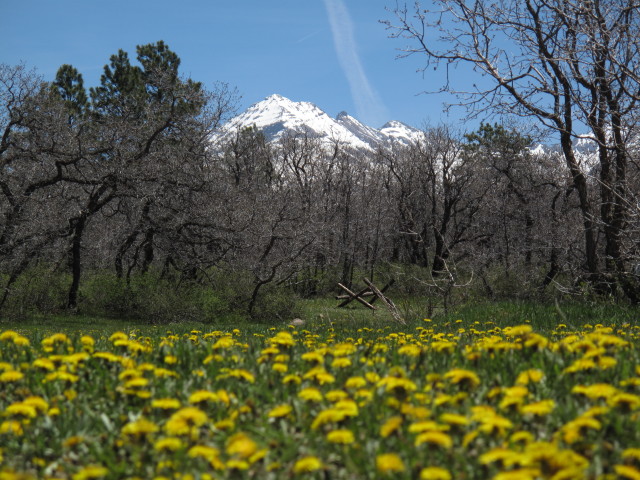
[40,289]
[152,298]
[69,86]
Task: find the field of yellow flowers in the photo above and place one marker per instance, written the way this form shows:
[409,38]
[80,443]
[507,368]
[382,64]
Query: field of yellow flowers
[450,401]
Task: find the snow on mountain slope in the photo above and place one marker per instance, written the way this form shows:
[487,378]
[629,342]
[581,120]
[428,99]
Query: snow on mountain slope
[402,132]
[276,115]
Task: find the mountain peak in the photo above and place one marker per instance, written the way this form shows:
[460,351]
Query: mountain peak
[277,115]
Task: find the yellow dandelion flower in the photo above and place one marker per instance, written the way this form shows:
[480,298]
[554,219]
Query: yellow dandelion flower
[627,471]
[529,376]
[21,410]
[595,391]
[464,378]
[90,472]
[118,336]
[165,403]
[170,359]
[631,453]
[495,424]
[500,455]
[438,438]
[280,411]
[237,464]
[241,374]
[329,415]
[8,336]
[310,394]
[341,436]
[580,365]
[435,473]
[427,426]
[210,454]
[517,331]
[522,436]
[541,408]
[389,462]
[185,420]
[241,445]
[355,382]
[454,419]
[373,377]
[280,367]
[139,428]
[62,376]
[13,427]
[605,362]
[336,395]
[201,396]
[291,378]
[21,341]
[223,343]
[307,464]
[163,373]
[391,425]
[72,441]
[168,444]
[11,376]
[626,401]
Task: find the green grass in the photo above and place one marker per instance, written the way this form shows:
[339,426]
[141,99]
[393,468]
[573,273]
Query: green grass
[96,411]
[324,311]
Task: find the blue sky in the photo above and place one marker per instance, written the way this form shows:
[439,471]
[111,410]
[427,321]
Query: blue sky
[333,53]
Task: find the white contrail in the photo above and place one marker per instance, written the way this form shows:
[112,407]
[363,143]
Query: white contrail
[369,107]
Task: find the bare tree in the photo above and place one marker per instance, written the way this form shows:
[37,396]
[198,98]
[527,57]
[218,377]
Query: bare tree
[568,64]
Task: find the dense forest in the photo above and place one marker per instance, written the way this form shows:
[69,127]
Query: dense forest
[117,200]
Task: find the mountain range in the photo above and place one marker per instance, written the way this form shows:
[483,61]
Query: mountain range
[276,116]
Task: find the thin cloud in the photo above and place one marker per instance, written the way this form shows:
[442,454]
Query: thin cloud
[369,108]
[308,36]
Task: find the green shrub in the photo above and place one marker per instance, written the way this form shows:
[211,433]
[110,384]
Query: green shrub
[39,289]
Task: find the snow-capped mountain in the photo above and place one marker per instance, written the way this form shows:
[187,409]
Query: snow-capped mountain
[276,115]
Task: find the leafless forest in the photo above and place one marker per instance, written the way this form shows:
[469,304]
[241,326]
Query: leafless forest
[111,192]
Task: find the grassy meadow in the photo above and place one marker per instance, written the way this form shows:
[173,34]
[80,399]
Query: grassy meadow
[488,392]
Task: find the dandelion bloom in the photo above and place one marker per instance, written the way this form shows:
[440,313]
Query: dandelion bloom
[434,438]
[21,410]
[310,394]
[185,420]
[200,396]
[210,454]
[11,426]
[241,445]
[391,425]
[465,378]
[532,375]
[435,473]
[90,472]
[307,464]
[627,471]
[280,411]
[165,403]
[169,444]
[342,436]
[543,407]
[139,427]
[355,382]
[389,462]
[11,376]
[329,415]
